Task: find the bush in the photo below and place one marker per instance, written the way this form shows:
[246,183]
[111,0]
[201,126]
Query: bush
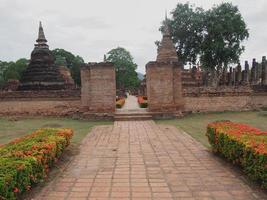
[26,161]
[142,101]
[120,103]
[243,145]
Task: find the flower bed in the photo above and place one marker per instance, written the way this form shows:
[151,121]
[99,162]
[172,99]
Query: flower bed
[26,161]
[142,101]
[120,102]
[242,145]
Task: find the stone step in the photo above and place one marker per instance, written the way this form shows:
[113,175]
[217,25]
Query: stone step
[132,114]
[133,118]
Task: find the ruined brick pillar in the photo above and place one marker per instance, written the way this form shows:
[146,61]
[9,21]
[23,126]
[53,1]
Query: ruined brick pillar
[264,71]
[223,80]
[238,74]
[253,78]
[164,85]
[230,76]
[245,79]
[98,92]
[234,76]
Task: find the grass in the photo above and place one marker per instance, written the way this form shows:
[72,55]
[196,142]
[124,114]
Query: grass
[11,129]
[195,124]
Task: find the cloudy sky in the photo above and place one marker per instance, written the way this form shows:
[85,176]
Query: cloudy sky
[90,28]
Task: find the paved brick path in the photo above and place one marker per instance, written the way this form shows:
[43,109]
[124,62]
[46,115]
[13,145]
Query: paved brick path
[131,104]
[141,160]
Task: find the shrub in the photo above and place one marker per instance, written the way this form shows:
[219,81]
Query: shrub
[120,103]
[26,161]
[142,101]
[243,145]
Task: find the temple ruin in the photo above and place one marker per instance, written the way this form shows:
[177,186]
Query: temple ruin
[163,77]
[42,73]
[172,90]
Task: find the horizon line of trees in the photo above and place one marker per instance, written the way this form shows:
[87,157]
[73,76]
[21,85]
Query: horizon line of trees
[126,75]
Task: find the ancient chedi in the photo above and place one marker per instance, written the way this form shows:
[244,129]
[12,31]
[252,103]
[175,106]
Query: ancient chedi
[166,49]
[163,77]
[42,73]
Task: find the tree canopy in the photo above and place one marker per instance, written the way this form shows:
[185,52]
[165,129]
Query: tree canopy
[212,37]
[67,59]
[12,70]
[126,76]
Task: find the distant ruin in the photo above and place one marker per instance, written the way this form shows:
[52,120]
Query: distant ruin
[48,90]
[42,73]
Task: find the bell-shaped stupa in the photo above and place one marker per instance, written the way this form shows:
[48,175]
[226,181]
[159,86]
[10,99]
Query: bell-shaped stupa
[42,73]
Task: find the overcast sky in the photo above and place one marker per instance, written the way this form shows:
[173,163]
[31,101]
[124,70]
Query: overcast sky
[90,28]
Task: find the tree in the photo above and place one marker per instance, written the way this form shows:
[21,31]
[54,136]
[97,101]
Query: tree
[224,32]
[126,76]
[12,70]
[187,27]
[66,58]
[212,37]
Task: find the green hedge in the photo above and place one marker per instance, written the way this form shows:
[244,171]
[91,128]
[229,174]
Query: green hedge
[242,145]
[26,161]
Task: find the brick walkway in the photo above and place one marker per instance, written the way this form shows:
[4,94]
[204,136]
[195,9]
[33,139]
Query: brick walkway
[142,160]
[131,104]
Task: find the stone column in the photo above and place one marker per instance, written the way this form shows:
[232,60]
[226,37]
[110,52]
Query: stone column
[264,71]
[231,76]
[238,74]
[246,74]
[98,91]
[258,73]
[234,76]
[253,78]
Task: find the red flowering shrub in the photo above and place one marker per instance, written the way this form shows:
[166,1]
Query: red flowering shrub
[120,103]
[242,145]
[142,101]
[26,161]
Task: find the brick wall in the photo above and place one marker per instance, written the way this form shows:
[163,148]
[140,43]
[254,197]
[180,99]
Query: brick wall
[43,107]
[224,103]
[43,94]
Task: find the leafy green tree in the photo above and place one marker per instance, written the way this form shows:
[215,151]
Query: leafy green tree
[66,58]
[225,30]
[213,37]
[12,70]
[187,28]
[126,76]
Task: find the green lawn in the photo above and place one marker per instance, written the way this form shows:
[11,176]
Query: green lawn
[13,129]
[195,124]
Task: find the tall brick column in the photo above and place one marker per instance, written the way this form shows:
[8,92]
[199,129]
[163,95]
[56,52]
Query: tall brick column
[98,93]
[264,71]
[164,85]
[246,74]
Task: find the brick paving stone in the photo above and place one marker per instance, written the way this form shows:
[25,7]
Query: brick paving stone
[141,160]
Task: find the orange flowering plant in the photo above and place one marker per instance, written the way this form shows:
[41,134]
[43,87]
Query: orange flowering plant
[142,101]
[243,145]
[26,160]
